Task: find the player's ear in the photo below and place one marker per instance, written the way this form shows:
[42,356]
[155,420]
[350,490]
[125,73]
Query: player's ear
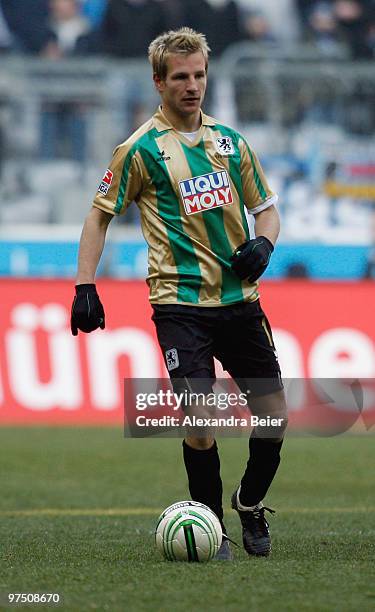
[158,82]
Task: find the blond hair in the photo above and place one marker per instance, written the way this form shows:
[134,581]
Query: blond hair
[184,41]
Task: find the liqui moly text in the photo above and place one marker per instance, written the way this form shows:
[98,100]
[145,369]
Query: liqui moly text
[204,192]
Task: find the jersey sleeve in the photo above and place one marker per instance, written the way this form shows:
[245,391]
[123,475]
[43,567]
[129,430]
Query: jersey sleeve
[257,194]
[121,184]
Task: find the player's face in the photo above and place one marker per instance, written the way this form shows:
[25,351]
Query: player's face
[183,89]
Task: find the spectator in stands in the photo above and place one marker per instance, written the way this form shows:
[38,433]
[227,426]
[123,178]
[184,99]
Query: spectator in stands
[281,15]
[63,131]
[129,26]
[67,25]
[6,38]
[175,13]
[304,9]
[370,37]
[28,24]
[354,19]
[323,29]
[221,23]
[257,28]
[94,11]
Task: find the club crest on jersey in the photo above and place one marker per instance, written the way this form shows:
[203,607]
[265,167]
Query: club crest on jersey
[224,145]
[205,192]
[106,182]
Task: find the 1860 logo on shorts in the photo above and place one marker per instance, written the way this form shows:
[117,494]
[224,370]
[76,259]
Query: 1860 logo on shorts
[204,192]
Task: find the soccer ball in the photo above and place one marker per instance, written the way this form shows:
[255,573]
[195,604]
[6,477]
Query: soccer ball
[188,531]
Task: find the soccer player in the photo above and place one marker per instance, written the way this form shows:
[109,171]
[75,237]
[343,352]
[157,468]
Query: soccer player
[191,178]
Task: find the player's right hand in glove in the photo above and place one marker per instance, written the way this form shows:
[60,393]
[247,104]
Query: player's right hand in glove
[251,258]
[87,310]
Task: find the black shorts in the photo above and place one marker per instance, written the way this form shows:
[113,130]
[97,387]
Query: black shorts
[239,336]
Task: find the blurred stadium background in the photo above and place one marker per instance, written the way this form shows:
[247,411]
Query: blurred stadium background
[78,505]
[296,78]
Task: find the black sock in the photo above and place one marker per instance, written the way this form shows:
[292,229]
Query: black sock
[203,470]
[260,470]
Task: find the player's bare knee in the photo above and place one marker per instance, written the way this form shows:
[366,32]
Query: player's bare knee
[272,413]
[281,415]
[281,411]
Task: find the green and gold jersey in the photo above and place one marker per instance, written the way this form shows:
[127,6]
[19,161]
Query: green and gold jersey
[191,196]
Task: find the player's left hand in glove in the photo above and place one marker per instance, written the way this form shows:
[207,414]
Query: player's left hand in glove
[87,310]
[251,258]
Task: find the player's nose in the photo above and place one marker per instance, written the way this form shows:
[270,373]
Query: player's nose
[192,84]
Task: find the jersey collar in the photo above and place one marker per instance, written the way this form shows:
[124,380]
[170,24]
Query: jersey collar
[161,122]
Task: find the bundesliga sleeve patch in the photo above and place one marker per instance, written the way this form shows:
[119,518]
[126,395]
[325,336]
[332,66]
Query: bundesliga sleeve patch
[205,192]
[106,182]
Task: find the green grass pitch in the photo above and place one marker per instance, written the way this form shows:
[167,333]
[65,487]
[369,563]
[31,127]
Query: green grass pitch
[78,508]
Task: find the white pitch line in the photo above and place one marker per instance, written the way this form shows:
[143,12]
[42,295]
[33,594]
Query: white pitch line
[157,511]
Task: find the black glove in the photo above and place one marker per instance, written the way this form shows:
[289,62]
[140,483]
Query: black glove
[87,310]
[251,258]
